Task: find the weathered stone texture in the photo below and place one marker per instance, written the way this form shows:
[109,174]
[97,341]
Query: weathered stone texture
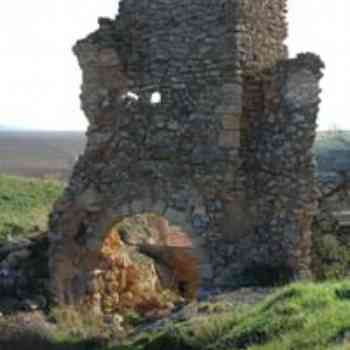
[225,154]
[282,140]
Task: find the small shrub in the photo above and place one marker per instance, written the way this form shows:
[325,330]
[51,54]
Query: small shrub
[133,318]
[330,256]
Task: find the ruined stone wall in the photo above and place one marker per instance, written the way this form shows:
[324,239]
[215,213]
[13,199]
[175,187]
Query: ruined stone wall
[198,156]
[280,100]
[262,32]
[175,158]
[285,184]
[281,194]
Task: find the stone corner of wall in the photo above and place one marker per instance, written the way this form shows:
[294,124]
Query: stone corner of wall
[311,60]
[105,23]
[305,60]
[101,38]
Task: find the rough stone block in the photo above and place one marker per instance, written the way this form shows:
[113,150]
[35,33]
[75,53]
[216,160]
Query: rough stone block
[230,138]
[109,57]
[90,200]
[231,122]
[159,207]
[137,207]
[176,217]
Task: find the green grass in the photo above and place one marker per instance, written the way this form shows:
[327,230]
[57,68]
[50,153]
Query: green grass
[299,317]
[25,204]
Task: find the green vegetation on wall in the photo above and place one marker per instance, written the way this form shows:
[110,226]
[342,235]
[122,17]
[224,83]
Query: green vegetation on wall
[330,251]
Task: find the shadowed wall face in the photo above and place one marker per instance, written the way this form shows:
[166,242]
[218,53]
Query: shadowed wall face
[179,95]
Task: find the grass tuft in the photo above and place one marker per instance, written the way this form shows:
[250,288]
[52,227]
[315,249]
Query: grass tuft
[25,204]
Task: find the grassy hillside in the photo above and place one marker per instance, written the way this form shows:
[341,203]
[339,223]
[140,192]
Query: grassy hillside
[25,203]
[301,316]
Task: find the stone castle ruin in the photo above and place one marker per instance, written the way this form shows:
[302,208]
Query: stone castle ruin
[199,120]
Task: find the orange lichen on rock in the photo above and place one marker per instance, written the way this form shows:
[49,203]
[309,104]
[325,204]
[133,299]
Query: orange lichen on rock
[126,280]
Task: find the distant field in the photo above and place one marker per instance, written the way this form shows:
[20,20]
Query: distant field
[39,154]
[25,204]
[53,154]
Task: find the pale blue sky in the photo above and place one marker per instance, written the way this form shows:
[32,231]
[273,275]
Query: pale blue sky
[40,78]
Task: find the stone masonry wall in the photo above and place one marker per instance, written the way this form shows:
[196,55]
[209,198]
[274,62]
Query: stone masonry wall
[174,158]
[284,181]
[263,30]
[198,156]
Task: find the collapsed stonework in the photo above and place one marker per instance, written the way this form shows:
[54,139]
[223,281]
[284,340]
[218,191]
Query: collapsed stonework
[196,115]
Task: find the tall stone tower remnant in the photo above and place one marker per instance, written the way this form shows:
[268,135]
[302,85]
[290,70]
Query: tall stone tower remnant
[197,114]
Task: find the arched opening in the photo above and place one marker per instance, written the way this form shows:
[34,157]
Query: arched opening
[130,95]
[144,264]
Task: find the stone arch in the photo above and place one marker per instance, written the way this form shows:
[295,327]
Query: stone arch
[192,218]
[89,225]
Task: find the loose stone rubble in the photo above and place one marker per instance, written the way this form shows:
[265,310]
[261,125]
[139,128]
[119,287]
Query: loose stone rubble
[24,275]
[196,115]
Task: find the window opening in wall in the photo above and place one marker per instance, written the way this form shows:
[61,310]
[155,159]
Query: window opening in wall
[130,95]
[156,98]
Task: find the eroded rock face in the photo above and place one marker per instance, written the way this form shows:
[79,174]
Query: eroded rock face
[143,264]
[223,151]
[133,272]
